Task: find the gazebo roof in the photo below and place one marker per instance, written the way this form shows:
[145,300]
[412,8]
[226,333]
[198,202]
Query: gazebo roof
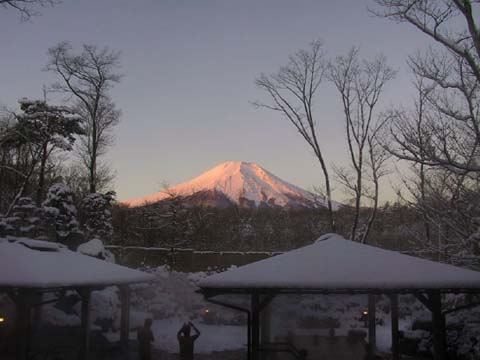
[33,264]
[333,264]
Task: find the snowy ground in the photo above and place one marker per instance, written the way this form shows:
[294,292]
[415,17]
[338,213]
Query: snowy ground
[213,337]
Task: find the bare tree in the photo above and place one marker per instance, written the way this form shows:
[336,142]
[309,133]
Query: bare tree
[442,137]
[411,124]
[452,73]
[88,77]
[449,206]
[376,163]
[360,85]
[99,137]
[292,91]
[27,8]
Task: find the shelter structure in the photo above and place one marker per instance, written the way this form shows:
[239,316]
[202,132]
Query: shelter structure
[333,265]
[31,268]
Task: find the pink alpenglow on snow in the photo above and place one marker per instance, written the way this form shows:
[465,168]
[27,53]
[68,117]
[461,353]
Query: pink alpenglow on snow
[333,263]
[242,183]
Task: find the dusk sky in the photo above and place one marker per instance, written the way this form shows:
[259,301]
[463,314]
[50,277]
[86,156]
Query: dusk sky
[189,78]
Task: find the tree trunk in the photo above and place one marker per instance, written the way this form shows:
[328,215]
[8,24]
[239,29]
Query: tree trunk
[20,192]
[41,176]
[329,192]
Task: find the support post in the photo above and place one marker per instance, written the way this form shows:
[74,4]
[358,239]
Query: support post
[249,336]
[395,332]
[37,312]
[86,299]
[23,325]
[255,326]
[265,322]
[265,326]
[125,315]
[372,338]
[438,324]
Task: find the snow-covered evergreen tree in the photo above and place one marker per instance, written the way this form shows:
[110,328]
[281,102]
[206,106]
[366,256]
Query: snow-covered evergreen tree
[60,211]
[46,128]
[97,216]
[26,221]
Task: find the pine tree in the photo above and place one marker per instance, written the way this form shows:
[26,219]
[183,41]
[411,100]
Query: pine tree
[60,211]
[47,128]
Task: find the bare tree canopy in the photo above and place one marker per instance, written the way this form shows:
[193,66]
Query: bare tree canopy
[440,135]
[88,77]
[27,8]
[436,19]
[451,73]
[360,84]
[292,91]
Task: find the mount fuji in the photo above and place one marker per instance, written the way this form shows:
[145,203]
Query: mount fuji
[235,182]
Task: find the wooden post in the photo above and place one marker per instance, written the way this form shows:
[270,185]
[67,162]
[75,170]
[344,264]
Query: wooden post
[438,324]
[37,312]
[395,333]
[372,338]
[265,324]
[125,315]
[86,298]
[22,328]
[249,336]
[255,326]
[265,330]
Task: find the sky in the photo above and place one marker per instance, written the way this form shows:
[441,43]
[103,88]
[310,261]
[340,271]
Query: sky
[190,66]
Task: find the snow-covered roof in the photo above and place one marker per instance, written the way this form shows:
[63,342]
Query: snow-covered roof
[338,265]
[40,264]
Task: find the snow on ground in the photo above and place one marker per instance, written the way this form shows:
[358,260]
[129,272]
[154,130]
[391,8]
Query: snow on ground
[213,337]
[384,333]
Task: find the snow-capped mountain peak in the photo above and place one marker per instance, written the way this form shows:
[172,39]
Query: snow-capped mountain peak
[243,183]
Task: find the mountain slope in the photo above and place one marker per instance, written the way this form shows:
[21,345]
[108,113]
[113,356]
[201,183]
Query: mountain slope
[243,183]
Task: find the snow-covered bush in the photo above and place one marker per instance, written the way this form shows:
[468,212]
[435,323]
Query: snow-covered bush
[464,332]
[105,310]
[26,221]
[96,249]
[97,215]
[173,295]
[6,226]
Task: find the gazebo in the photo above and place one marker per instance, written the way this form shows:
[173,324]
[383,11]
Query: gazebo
[333,265]
[31,268]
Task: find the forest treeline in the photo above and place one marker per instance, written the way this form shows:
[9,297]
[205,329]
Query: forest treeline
[171,223]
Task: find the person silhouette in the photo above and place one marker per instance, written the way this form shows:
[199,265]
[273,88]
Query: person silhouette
[186,340]
[145,338]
